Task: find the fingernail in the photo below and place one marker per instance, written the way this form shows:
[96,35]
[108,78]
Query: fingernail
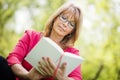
[65,63]
[42,57]
[47,58]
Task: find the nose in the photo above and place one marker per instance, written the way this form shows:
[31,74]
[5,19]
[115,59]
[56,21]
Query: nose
[66,24]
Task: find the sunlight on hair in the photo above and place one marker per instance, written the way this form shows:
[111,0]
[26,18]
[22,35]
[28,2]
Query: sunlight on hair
[75,2]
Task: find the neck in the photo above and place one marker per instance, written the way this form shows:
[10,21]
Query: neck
[56,38]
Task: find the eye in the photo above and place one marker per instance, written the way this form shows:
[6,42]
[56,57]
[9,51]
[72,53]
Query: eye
[64,18]
[72,24]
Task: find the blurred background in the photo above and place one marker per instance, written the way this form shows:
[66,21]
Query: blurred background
[99,41]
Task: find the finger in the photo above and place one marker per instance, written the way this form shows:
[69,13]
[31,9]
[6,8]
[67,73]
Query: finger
[48,66]
[52,65]
[41,69]
[63,67]
[45,66]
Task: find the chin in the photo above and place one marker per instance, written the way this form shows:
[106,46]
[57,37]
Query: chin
[60,33]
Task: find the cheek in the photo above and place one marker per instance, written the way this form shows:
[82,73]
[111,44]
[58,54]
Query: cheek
[55,23]
[68,31]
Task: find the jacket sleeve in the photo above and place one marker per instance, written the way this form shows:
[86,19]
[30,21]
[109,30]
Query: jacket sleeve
[20,50]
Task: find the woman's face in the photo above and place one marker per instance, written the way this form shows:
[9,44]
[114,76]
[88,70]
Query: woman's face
[64,24]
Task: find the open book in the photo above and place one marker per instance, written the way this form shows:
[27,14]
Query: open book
[48,48]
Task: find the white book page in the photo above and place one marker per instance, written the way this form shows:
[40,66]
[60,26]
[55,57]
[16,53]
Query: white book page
[44,48]
[72,60]
[48,48]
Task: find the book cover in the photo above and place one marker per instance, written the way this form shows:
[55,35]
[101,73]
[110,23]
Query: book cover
[48,48]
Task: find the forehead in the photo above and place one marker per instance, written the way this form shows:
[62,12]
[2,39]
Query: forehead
[70,13]
[69,16]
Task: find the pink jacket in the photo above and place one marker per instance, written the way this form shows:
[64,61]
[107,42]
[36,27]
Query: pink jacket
[26,43]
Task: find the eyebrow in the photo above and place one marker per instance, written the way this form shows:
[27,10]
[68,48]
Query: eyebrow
[70,17]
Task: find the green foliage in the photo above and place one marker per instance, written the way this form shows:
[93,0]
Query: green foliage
[7,12]
[45,13]
[101,58]
[7,42]
[106,53]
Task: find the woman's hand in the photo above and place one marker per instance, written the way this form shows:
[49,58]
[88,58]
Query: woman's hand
[47,69]
[34,75]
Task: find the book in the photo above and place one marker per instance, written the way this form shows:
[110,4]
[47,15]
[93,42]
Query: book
[48,48]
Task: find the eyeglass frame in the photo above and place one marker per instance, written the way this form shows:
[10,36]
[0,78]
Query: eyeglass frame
[66,20]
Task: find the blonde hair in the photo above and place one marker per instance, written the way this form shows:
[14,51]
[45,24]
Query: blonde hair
[68,40]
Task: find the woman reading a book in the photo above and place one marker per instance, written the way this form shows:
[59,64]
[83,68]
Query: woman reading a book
[63,28]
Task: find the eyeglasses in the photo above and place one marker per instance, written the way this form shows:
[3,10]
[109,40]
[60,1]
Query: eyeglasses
[64,19]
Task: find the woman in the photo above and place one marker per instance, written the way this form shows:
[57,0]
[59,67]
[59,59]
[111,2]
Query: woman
[63,28]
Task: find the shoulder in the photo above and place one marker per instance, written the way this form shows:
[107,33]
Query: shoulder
[33,34]
[72,50]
